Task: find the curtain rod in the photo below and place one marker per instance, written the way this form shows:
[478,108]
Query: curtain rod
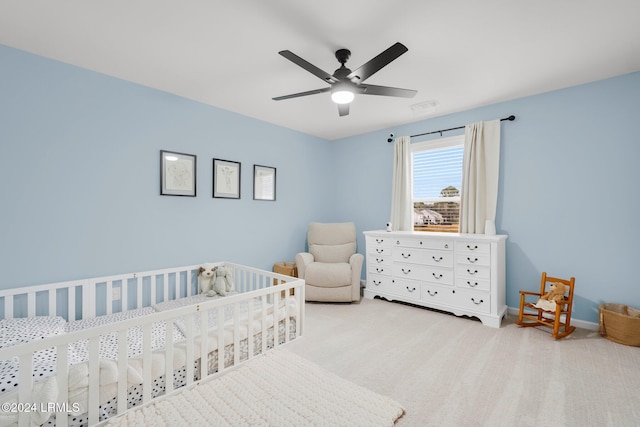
[391,139]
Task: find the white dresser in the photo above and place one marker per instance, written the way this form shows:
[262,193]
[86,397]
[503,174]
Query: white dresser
[459,273]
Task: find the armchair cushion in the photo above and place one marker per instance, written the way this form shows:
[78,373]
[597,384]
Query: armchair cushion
[332,253]
[328,275]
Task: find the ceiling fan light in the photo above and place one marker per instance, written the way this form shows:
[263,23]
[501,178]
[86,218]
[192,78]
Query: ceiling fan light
[342,96]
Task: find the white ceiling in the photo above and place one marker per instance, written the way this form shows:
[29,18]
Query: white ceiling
[462,53]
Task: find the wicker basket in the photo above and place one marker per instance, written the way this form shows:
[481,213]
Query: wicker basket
[620,323]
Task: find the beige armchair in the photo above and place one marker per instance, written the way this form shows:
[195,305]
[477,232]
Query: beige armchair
[332,268]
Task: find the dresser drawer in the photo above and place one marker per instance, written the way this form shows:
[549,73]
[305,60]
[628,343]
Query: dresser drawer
[413,242]
[410,255]
[473,283]
[379,250]
[473,258]
[473,300]
[380,283]
[435,295]
[470,247]
[408,271]
[441,276]
[379,241]
[379,260]
[473,271]
[407,288]
[442,259]
[379,269]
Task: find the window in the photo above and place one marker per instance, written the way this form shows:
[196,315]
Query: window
[437,181]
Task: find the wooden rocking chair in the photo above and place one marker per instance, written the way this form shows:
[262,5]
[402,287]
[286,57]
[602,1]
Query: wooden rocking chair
[560,320]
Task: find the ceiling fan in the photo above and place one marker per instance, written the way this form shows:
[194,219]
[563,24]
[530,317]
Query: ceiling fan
[346,83]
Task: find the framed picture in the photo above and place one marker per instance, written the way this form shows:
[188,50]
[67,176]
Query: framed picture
[177,174]
[264,183]
[226,179]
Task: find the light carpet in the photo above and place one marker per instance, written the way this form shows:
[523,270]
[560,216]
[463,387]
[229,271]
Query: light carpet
[276,389]
[451,371]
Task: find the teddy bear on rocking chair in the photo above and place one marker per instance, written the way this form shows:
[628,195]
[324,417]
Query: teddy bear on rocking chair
[555,295]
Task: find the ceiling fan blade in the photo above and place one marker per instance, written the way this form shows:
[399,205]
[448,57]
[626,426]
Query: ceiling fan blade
[386,91]
[297,95]
[343,109]
[377,63]
[308,66]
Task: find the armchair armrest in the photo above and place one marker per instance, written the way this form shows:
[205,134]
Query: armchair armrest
[302,260]
[356,261]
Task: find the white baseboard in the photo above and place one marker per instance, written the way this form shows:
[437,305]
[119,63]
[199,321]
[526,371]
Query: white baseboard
[575,322]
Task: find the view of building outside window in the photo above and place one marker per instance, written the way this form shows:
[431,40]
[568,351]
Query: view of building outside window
[437,181]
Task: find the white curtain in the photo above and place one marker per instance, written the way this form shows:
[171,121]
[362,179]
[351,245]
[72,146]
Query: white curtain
[401,194]
[480,177]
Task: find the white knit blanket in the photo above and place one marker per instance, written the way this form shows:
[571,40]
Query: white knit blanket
[275,389]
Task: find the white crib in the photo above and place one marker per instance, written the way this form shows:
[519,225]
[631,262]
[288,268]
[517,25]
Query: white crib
[177,334]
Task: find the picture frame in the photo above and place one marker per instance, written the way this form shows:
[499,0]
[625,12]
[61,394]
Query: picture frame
[264,183]
[177,174]
[226,179]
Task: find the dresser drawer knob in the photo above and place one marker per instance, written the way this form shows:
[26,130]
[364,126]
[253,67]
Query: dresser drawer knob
[473,285]
[379,241]
[379,260]
[472,260]
[446,246]
[379,250]
[407,256]
[433,294]
[379,270]
[472,272]
[437,259]
[407,271]
[438,277]
[476,302]
[410,289]
[472,248]
[397,242]
[376,283]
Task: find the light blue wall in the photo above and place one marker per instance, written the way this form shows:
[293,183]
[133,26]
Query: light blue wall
[80,182]
[80,178]
[567,192]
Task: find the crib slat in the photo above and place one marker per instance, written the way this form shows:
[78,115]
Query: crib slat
[139,295]
[250,328]
[8,307]
[62,378]
[276,305]
[146,362]
[26,386]
[125,295]
[263,323]
[94,372]
[220,333]
[72,314]
[204,343]
[168,367]
[189,359]
[165,282]
[31,304]
[109,297]
[52,299]
[190,283]
[236,334]
[122,371]
[153,290]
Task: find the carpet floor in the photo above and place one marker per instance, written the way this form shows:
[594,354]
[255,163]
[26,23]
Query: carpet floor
[451,371]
